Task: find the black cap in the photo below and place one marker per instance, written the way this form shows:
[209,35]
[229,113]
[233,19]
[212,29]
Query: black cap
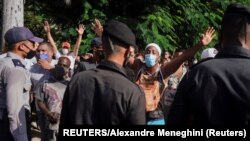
[120,31]
[18,34]
[237,9]
[96,42]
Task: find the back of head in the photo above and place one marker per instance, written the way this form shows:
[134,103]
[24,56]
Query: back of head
[235,20]
[117,33]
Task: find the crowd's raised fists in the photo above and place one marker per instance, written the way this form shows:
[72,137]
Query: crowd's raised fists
[46,26]
[97,27]
[207,36]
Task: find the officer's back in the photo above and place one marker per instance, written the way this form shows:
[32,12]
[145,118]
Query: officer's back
[105,95]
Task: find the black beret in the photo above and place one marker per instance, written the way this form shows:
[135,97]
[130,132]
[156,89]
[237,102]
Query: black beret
[120,31]
[237,9]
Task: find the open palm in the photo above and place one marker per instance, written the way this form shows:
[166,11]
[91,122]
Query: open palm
[208,36]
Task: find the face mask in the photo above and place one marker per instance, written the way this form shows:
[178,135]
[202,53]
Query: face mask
[31,54]
[101,54]
[43,56]
[150,60]
[59,72]
[65,51]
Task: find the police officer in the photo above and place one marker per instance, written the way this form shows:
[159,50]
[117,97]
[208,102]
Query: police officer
[216,91]
[105,95]
[15,84]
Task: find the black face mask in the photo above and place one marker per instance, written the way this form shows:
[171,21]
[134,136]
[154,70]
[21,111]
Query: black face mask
[101,55]
[31,54]
[59,72]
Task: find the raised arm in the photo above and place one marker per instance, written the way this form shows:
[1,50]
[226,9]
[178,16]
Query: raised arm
[46,27]
[174,64]
[80,30]
[97,27]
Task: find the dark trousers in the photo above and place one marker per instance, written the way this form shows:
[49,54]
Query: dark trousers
[28,122]
[5,133]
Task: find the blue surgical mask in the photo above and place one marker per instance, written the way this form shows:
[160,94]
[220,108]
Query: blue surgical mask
[150,60]
[43,56]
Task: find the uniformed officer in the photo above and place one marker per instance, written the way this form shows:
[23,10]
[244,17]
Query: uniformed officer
[15,84]
[216,91]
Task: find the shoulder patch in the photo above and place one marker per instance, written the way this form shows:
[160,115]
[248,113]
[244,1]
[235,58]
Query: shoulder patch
[17,63]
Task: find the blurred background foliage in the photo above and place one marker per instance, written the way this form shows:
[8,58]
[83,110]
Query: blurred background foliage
[173,24]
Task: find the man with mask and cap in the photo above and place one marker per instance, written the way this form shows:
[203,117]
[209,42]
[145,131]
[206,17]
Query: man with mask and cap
[216,91]
[105,95]
[15,84]
[152,77]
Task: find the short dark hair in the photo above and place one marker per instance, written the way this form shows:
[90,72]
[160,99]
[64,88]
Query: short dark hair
[10,47]
[47,44]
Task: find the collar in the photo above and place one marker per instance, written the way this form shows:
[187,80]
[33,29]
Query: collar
[109,65]
[233,51]
[15,56]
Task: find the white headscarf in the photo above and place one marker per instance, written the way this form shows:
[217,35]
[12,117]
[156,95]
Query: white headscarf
[154,45]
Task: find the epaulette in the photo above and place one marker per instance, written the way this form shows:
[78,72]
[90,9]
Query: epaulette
[17,63]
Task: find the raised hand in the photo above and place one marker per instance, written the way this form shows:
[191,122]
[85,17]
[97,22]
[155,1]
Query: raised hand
[97,27]
[207,36]
[80,29]
[46,26]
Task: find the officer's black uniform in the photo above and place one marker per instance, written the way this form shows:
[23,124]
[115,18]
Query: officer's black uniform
[215,91]
[103,96]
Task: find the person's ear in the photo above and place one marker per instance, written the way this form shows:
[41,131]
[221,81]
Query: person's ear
[21,46]
[158,59]
[129,51]
[50,53]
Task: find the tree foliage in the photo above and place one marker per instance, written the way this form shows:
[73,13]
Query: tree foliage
[172,24]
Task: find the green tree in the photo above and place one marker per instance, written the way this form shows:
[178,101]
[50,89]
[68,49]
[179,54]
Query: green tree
[172,24]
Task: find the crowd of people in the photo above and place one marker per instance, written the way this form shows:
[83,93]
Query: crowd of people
[114,84]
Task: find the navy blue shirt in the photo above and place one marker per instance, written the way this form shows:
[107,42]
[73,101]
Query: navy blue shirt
[103,96]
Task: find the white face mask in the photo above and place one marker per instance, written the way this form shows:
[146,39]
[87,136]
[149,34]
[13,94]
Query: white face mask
[65,51]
